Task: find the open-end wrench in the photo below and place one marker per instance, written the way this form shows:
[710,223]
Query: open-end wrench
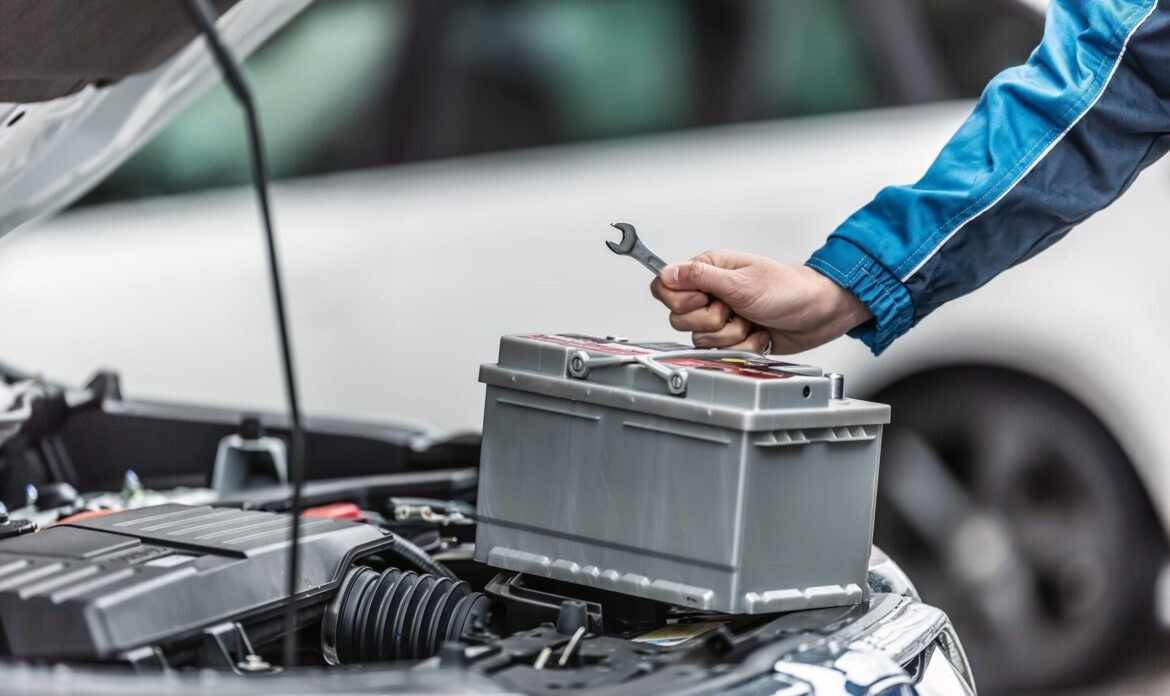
[634,248]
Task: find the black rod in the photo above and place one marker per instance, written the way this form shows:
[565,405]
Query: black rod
[204,17]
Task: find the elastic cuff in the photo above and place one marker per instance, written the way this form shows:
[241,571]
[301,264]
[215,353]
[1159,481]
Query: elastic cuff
[861,274]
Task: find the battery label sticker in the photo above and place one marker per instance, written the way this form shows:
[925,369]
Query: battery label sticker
[753,369]
[675,634]
[597,345]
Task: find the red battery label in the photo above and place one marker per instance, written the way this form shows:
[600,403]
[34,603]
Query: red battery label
[597,345]
[754,368]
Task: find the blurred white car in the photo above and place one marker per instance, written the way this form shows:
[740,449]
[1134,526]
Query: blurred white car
[1023,479]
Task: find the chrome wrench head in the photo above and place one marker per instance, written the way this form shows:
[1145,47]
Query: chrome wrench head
[629,238]
[633,247]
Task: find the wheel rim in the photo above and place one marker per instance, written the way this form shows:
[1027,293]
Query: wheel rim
[996,498]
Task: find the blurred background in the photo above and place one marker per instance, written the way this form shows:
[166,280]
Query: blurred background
[447,171]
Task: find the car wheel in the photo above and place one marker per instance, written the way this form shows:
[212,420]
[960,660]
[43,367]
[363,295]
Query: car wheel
[1013,509]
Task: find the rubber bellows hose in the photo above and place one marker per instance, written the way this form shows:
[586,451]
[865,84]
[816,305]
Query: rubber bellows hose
[398,615]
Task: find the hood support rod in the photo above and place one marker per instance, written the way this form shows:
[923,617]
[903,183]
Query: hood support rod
[203,16]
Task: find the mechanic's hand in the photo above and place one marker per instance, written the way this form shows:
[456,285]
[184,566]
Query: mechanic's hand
[794,307]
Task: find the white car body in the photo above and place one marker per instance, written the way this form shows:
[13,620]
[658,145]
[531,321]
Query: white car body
[177,288]
[402,280]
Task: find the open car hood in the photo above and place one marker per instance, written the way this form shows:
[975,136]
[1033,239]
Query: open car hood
[85,83]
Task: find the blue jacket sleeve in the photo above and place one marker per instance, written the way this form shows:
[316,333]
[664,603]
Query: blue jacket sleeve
[1049,143]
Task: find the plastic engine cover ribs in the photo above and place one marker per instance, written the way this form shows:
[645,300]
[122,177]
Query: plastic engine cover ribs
[98,588]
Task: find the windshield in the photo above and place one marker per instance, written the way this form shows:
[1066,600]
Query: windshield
[419,82]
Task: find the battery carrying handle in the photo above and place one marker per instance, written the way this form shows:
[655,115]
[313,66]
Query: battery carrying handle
[581,363]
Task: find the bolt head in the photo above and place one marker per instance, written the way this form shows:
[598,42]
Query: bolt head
[254,663]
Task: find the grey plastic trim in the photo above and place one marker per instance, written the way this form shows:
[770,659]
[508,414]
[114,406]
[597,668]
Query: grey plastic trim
[547,409]
[806,598]
[714,439]
[837,413]
[799,436]
[609,579]
[668,591]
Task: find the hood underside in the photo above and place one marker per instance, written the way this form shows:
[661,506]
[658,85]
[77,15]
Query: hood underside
[85,83]
[52,48]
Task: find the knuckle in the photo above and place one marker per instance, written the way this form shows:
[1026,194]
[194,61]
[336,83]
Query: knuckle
[707,321]
[721,313]
[693,301]
[673,302]
[739,330]
[676,322]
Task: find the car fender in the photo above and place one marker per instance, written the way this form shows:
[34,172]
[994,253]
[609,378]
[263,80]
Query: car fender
[1117,378]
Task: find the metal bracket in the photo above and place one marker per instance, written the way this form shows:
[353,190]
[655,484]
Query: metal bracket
[581,363]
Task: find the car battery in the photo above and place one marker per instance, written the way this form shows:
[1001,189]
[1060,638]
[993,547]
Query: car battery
[718,480]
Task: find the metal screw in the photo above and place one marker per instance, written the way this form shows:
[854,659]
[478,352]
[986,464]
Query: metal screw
[253,663]
[677,382]
[578,367]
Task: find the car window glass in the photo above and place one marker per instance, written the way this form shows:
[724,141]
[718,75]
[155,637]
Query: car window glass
[977,40]
[360,83]
[807,59]
[365,83]
[304,107]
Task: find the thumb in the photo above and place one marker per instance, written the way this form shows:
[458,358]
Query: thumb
[696,275]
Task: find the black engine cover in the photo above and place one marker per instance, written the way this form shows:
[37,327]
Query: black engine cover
[96,588]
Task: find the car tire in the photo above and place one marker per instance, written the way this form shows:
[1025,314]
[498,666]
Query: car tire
[1014,509]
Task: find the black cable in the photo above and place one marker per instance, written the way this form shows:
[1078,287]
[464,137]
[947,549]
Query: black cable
[415,557]
[203,16]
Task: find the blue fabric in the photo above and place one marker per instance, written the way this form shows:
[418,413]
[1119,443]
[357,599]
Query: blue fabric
[1049,143]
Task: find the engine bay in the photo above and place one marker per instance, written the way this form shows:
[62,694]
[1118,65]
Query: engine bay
[174,588]
[117,551]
